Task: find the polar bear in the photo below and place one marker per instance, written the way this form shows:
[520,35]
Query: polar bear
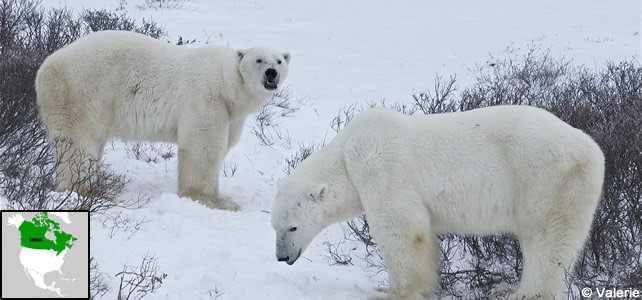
[128,85]
[509,169]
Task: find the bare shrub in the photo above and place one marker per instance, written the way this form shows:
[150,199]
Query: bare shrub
[336,254]
[122,5]
[97,285]
[215,293]
[120,222]
[534,78]
[230,171]
[402,107]
[162,4]
[186,42]
[304,152]
[441,100]
[151,28]
[30,186]
[138,281]
[97,20]
[607,105]
[358,230]
[344,116]
[151,152]
[266,123]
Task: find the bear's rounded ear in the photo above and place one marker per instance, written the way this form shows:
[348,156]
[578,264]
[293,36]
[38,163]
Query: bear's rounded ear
[287,57]
[319,192]
[240,54]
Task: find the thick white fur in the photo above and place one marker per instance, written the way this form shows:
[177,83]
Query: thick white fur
[510,169]
[119,83]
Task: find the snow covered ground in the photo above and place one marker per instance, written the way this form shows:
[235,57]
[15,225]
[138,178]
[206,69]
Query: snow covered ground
[343,52]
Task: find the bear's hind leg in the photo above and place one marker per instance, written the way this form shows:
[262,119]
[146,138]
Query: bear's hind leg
[77,163]
[553,238]
[546,259]
[549,250]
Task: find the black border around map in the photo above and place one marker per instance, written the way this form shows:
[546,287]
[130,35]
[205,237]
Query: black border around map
[88,247]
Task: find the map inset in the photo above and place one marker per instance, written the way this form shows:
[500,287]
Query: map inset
[45,254]
[32,234]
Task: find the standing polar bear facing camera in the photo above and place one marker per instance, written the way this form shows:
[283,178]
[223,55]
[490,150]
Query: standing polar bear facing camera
[504,169]
[128,85]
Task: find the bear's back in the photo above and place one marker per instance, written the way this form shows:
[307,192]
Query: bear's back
[519,136]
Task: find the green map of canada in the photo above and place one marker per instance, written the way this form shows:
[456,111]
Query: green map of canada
[37,256]
[33,234]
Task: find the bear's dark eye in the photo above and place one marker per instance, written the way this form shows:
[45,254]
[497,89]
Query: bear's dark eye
[278,61]
[258,61]
[292,228]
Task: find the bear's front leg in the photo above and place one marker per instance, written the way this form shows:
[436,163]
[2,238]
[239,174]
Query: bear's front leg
[202,146]
[407,243]
[236,128]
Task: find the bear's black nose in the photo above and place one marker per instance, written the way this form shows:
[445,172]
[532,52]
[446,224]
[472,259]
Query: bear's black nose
[270,73]
[284,258]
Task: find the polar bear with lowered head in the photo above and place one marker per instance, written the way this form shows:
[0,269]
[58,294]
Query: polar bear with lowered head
[124,84]
[503,169]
